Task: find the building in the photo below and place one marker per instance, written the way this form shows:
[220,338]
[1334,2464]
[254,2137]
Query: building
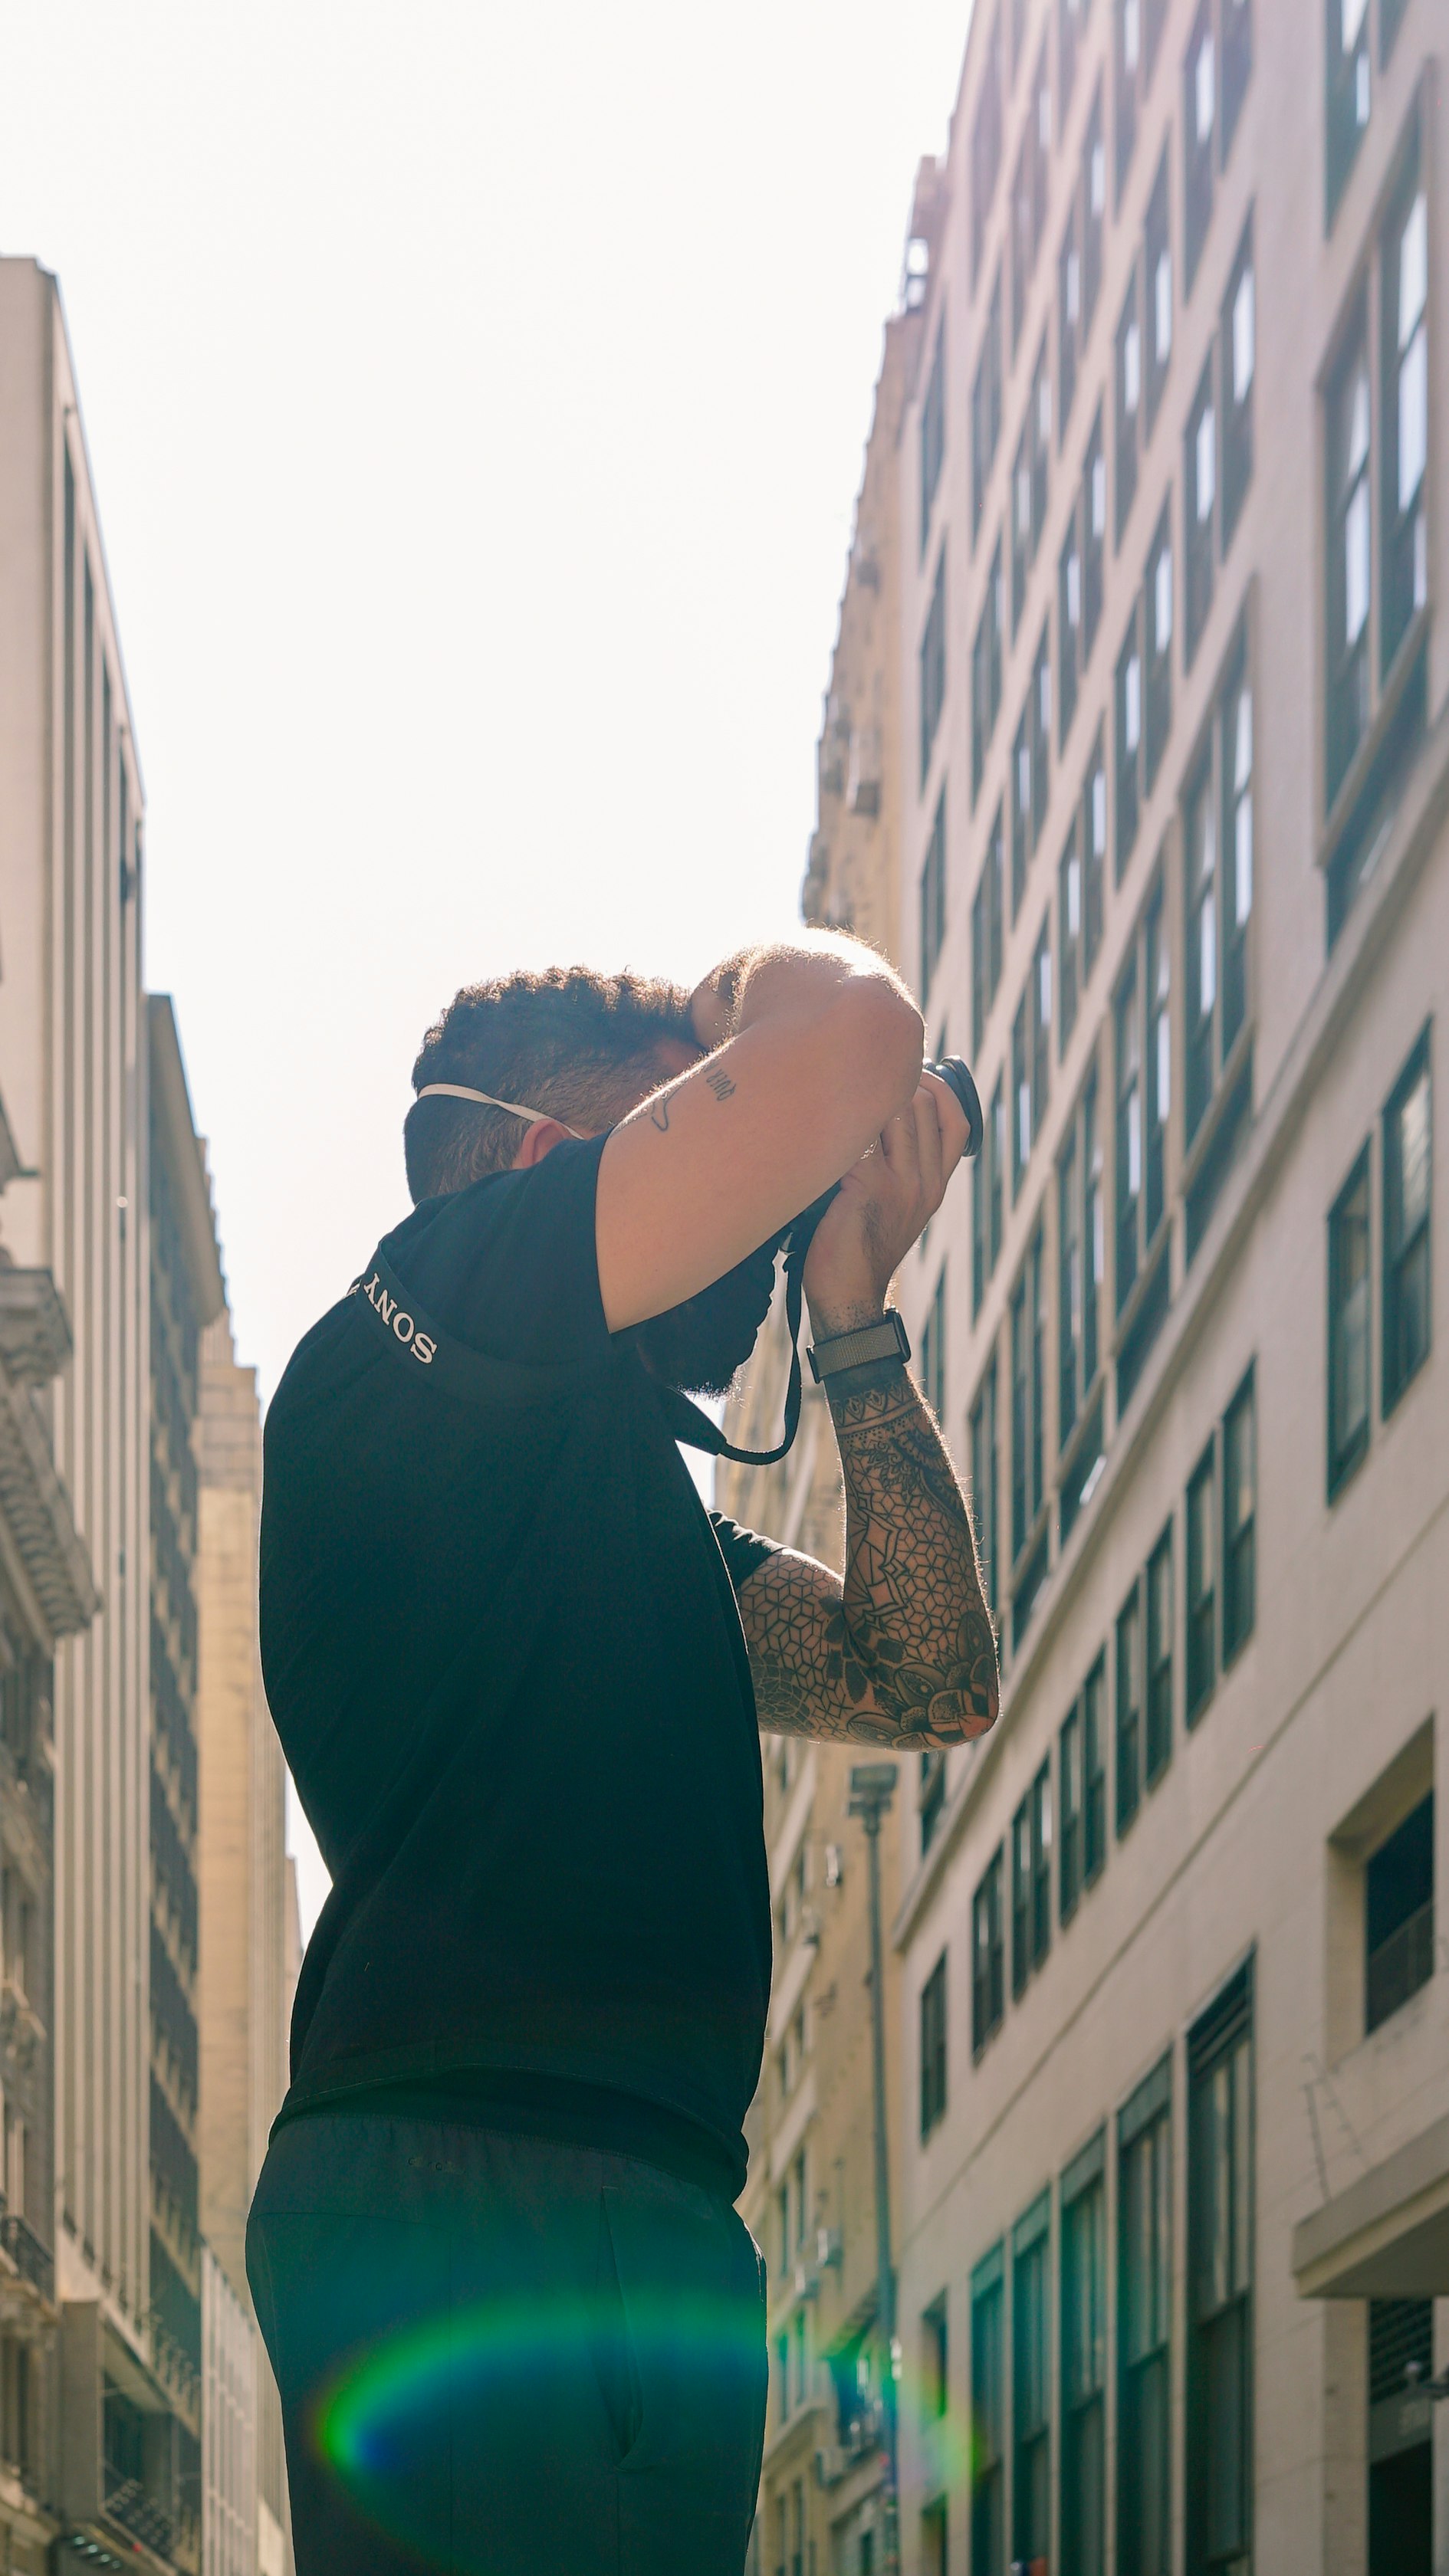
[1175,667]
[811,2195]
[109,1276]
[187,1294]
[47,1592]
[248,1903]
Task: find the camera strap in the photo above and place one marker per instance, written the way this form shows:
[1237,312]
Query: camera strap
[694,1428]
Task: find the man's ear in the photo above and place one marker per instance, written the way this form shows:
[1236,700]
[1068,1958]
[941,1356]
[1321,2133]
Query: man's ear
[538,1139]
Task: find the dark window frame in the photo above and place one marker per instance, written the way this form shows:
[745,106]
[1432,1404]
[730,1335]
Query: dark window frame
[986,406]
[1407,1320]
[1350,1277]
[1240,1519]
[933,433]
[1159,1640]
[1083,2330]
[1220,2282]
[1145,2339]
[932,896]
[933,2044]
[988,1953]
[932,670]
[1201,1586]
[1131,1667]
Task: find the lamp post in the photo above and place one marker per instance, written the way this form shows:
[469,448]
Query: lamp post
[872,1787]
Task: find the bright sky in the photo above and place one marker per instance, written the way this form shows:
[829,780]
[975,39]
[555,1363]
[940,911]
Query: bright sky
[475,396]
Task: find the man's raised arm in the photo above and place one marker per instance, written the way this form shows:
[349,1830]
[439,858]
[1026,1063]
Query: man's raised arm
[901,1652]
[811,1049]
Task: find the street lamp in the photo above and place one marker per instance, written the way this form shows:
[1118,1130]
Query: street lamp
[872,1787]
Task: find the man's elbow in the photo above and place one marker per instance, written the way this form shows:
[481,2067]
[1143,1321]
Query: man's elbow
[882,1037]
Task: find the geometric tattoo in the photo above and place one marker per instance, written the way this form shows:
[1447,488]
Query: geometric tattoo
[901,1654]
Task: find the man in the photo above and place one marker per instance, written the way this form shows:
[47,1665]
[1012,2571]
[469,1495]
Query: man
[517,1671]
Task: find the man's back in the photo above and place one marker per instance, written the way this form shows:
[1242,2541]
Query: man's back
[503,1656]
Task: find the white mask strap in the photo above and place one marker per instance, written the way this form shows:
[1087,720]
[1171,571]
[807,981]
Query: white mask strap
[514,1108]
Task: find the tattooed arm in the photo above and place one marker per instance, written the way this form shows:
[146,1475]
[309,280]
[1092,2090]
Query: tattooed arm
[901,1652]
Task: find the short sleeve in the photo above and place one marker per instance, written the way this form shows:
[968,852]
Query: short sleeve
[744,1551]
[510,1264]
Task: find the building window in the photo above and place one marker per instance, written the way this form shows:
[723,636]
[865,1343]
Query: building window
[1128,375]
[1240,1518]
[1200,478]
[1029,193]
[1237,68]
[1240,358]
[1129,1708]
[1094,1771]
[1084,2364]
[1201,1584]
[986,673]
[933,1350]
[932,1796]
[1158,283]
[1031,1879]
[1128,702]
[1350,552]
[1408,1151]
[1218,900]
[1143,1023]
[933,2047]
[933,665]
[1144,2237]
[1069,1812]
[996,1155]
[1348,1326]
[988,1955]
[1159,600]
[1220,2276]
[1041,732]
[1094,852]
[936,2357]
[1069,317]
[1404,326]
[1069,933]
[1094,537]
[1081,1247]
[1199,106]
[1041,1028]
[933,896]
[1031,2384]
[933,432]
[988,924]
[1158,1745]
[984,1468]
[1399,1916]
[1028,1375]
[1094,212]
[1030,483]
[988,2416]
[1349,92]
[1020,809]
[986,407]
[1127,71]
[986,141]
[1069,622]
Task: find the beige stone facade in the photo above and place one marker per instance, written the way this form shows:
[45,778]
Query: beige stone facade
[1176,664]
[245,1882]
[811,2196]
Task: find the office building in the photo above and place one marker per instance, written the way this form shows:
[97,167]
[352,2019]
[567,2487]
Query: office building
[1175,668]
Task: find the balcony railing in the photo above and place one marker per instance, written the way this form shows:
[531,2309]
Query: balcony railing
[128,2504]
[32,2260]
[1399,1966]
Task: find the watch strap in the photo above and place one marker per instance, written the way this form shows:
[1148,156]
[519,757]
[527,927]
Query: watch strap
[887,1340]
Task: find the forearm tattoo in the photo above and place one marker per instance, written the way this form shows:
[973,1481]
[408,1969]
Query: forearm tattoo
[902,1653]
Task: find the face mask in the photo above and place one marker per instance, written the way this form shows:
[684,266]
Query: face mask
[699,1347]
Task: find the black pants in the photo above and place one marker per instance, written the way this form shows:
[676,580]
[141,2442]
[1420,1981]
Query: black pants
[502,2356]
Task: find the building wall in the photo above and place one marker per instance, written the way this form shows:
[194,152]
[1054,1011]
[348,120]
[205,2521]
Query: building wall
[811,2194]
[73,1070]
[242,1856]
[229,2478]
[1317,1735]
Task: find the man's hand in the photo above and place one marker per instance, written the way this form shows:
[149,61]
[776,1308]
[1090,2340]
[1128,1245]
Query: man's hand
[886,1201]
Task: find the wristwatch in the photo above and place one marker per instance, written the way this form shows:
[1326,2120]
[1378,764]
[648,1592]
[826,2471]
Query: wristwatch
[887,1340]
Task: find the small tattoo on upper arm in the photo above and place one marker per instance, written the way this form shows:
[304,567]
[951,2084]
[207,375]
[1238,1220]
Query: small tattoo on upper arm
[659,1116]
[721,1085]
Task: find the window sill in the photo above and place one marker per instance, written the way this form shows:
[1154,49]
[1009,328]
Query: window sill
[1417,1371]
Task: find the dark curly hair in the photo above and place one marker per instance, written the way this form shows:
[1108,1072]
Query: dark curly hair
[571,1041]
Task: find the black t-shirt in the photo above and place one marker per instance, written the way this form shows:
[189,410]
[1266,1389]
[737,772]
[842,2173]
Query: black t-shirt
[503,1655]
